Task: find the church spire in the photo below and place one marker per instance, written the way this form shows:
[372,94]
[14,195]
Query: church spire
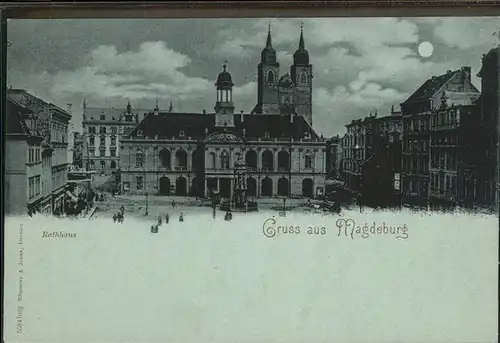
[269,44]
[268,55]
[302,46]
[301,56]
[129,107]
[157,108]
[170,108]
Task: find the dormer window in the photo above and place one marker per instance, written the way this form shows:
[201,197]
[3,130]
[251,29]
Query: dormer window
[139,132]
[103,117]
[266,135]
[181,133]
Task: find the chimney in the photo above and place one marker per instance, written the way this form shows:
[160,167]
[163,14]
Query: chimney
[466,70]
[242,117]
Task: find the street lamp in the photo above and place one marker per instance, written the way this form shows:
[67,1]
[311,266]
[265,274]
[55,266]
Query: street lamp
[146,213]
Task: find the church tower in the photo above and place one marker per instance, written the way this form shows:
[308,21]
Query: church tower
[301,73]
[224,107]
[267,80]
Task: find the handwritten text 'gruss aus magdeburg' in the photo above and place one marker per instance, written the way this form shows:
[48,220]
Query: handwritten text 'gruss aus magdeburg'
[344,226]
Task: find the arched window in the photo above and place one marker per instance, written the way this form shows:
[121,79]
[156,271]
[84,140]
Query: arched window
[303,77]
[270,76]
[224,157]
[165,158]
[113,164]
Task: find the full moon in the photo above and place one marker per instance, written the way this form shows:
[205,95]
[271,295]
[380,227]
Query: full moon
[425,49]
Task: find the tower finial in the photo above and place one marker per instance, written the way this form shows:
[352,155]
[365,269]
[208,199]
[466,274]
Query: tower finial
[170,108]
[224,66]
[129,107]
[157,107]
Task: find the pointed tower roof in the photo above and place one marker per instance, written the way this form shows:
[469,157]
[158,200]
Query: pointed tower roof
[268,55]
[157,108]
[301,56]
[129,107]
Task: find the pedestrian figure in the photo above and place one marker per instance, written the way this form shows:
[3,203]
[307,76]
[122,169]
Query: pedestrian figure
[309,202]
[115,217]
[173,204]
[122,209]
[167,217]
[181,218]
[159,220]
[226,217]
[360,202]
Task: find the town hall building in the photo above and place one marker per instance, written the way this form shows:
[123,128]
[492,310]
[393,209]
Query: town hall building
[171,153]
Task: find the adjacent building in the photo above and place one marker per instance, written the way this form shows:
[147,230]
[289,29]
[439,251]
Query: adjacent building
[45,162]
[454,88]
[333,158]
[372,158]
[102,129]
[489,112]
[171,153]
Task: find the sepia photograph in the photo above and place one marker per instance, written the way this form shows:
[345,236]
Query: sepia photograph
[252,180]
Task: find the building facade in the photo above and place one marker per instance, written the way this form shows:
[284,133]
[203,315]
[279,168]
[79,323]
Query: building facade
[372,158]
[46,165]
[181,154]
[333,157]
[291,89]
[102,130]
[451,89]
[490,108]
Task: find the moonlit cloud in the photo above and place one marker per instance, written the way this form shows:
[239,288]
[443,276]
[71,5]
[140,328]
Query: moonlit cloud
[359,64]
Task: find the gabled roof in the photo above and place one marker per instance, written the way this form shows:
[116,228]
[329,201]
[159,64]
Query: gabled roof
[28,100]
[15,122]
[431,86]
[199,126]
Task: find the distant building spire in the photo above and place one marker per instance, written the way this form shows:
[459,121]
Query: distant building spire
[129,107]
[157,108]
[170,108]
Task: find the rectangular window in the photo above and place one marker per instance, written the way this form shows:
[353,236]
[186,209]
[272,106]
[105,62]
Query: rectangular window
[102,140]
[102,129]
[139,182]
[126,186]
[102,152]
[92,151]
[114,130]
[113,152]
[139,160]
[91,141]
[113,141]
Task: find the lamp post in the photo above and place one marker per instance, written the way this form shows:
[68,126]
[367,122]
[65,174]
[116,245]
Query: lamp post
[146,213]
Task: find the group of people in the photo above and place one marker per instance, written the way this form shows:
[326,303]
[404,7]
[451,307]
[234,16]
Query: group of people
[118,217]
[155,227]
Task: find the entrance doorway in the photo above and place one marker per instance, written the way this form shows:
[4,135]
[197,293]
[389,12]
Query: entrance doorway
[164,186]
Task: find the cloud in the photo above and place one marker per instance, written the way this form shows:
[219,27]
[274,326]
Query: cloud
[154,71]
[468,32]
[359,64]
